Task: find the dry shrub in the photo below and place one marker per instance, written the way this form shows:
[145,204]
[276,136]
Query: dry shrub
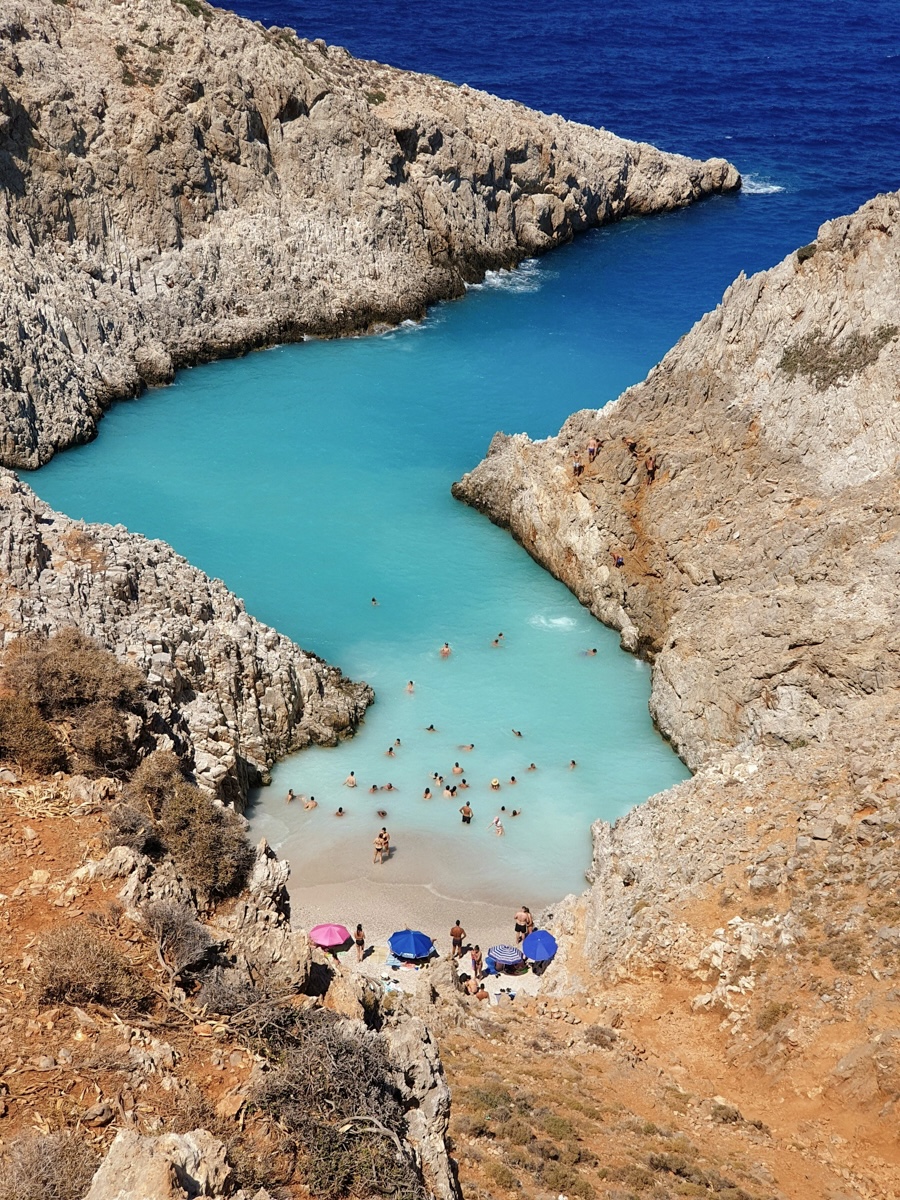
[76,966]
[182,940]
[100,739]
[332,1084]
[56,1166]
[227,992]
[64,672]
[207,841]
[26,738]
[128,827]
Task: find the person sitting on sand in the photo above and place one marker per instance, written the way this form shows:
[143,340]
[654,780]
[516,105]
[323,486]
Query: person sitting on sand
[467,814]
[426,795]
[457,769]
[445,650]
[477,990]
[312,802]
[290,796]
[340,813]
[350,781]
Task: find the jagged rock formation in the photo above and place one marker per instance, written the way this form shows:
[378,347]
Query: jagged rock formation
[747,490]
[177,184]
[228,694]
[173,1166]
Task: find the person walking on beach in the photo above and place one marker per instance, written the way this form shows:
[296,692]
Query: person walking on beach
[457,933]
[386,842]
[477,961]
[466,811]
[360,940]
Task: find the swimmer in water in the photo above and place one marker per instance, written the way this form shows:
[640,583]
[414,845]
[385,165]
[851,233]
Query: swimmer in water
[516,812]
[588,653]
[390,752]
[457,769]
[469,746]
[340,813]
[445,650]
[426,795]
[430,729]
[448,792]
[572,764]
[462,785]
[497,825]
[396,741]
[517,733]
[495,642]
[410,687]
[513,780]
[312,802]
[495,785]
[381,812]
[373,789]
[388,787]
[290,796]
[532,767]
[350,781]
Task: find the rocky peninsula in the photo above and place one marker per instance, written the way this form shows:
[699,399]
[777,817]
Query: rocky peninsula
[735,517]
[179,184]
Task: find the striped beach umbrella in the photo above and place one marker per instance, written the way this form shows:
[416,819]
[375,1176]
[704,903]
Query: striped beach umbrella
[507,955]
[329,935]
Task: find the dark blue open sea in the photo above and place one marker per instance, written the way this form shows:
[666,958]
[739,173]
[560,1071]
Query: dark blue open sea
[313,477]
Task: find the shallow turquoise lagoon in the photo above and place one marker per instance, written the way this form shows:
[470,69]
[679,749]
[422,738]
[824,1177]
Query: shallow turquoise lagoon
[314,477]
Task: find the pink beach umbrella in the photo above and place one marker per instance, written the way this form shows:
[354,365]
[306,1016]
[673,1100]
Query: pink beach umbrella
[329,935]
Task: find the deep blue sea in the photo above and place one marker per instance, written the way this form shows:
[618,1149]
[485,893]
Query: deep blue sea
[312,478]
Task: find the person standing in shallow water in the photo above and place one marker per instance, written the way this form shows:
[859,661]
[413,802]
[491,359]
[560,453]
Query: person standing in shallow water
[445,650]
[466,811]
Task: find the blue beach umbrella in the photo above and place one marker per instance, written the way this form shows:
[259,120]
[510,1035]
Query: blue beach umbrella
[410,943]
[507,955]
[540,946]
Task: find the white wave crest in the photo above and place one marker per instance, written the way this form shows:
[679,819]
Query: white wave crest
[526,278]
[754,186]
[541,622]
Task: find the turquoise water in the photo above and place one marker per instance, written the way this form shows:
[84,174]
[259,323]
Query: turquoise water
[314,477]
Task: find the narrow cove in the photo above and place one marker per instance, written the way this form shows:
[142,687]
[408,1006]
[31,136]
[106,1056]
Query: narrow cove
[313,478]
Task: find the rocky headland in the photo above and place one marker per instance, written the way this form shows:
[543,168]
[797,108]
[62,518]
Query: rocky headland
[736,520]
[228,694]
[178,184]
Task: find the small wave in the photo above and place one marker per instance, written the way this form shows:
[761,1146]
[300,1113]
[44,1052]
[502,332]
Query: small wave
[541,622]
[755,186]
[526,278]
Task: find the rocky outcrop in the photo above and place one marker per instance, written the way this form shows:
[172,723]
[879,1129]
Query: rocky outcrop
[738,524]
[228,694]
[177,184]
[173,1166]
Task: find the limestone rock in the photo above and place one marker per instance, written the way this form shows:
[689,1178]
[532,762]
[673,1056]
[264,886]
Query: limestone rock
[738,525]
[171,1167]
[229,694]
[177,184]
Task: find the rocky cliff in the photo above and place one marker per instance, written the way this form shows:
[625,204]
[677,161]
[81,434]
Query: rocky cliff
[736,518]
[227,693]
[177,184]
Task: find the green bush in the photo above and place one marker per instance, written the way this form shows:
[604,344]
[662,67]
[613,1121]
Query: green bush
[76,966]
[27,739]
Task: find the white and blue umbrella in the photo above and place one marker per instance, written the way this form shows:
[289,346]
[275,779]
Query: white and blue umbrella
[509,956]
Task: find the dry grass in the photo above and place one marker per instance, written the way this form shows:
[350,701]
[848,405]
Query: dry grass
[76,965]
[56,1166]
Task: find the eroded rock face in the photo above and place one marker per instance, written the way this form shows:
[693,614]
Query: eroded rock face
[179,184]
[229,694]
[738,524]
